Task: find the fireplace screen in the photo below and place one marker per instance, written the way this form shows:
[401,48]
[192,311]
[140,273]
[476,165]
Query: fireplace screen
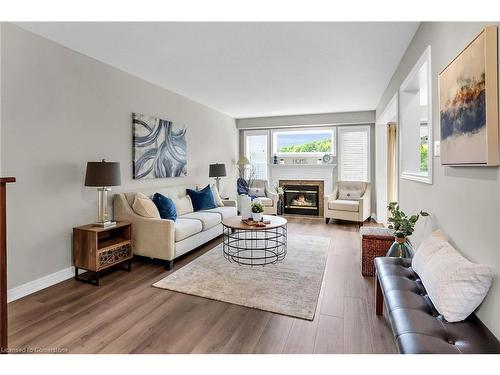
[301,199]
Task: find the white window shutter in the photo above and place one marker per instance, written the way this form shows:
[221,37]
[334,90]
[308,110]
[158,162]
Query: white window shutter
[257,153]
[354,155]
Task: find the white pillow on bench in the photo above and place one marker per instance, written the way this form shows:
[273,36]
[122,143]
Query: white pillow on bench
[429,246]
[455,285]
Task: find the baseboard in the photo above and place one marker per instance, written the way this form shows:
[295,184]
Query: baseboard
[39,284]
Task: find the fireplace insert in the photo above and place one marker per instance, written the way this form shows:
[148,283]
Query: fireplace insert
[301,199]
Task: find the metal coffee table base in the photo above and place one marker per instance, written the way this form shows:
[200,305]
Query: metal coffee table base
[254,247]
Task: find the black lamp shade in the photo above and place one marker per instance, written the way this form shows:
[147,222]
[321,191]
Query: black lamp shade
[102,173]
[217,170]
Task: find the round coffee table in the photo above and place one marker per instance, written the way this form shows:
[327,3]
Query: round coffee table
[252,245]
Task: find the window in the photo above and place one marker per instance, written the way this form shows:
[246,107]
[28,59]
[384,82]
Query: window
[256,150]
[416,122]
[311,142]
[354,153]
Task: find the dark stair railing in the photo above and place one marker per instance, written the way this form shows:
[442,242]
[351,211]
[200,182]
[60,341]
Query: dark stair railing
[3,263]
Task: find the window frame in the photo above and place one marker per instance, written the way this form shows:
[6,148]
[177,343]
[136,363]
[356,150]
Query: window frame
[274,134]
[424,177]
[348,128]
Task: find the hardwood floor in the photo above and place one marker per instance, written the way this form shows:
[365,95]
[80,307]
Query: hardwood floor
[127,315]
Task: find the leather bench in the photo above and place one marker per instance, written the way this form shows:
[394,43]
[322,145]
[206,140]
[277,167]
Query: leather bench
[417,326]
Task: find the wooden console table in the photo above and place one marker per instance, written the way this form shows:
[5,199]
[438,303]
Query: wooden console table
[3,263]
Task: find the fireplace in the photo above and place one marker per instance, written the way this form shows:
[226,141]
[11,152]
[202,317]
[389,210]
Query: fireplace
[302,197]
[301,200]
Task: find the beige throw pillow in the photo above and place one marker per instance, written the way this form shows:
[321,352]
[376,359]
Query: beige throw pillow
[144,206]
[183,205]
[427,249]
[349,194]
[257,191]
[217,198]
[455,285]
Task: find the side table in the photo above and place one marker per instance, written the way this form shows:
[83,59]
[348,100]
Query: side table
[375,242]
[96,249]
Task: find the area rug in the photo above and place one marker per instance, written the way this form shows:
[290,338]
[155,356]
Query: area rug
[290,287]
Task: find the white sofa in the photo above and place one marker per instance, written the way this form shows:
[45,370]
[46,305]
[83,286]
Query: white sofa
[357,210]
[166,239]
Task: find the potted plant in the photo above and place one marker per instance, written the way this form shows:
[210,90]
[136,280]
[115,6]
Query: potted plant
[257,211]
[403,226]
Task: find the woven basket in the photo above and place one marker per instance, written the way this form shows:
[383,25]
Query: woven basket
[374,243]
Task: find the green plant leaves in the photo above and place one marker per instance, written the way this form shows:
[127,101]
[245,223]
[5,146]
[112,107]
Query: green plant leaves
[402,224]
[257,207]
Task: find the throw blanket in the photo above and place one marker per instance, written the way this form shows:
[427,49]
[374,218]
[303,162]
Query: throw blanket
[242,188]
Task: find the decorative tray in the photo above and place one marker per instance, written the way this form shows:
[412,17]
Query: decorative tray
[253,223]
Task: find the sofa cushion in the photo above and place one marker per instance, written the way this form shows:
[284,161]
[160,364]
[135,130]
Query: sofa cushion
[185,228]
[208,219]
[166,207]
[217,198]
[266,202]
[183,205]
[455,285]
[344,205]
[145,207]
[224,212]
[130,197]
[202,199]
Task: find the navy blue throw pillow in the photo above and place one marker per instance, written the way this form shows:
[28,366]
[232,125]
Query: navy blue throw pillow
[166,207]
[202,199]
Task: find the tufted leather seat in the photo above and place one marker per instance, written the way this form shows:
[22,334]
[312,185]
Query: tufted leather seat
[417,326]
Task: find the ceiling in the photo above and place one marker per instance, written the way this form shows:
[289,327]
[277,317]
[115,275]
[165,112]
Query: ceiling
[250,69]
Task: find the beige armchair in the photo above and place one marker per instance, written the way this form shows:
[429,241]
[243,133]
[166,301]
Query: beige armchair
[267,197]
[350,200]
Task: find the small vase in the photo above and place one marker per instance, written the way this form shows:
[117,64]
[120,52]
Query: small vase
[400,248]
[257,216]
[279,206]
[245,206]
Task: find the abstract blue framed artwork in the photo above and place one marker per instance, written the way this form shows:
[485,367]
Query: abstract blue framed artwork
[159,148]
[468,104]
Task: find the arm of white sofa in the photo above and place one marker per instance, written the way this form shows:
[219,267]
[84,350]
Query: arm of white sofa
[229,202]
[154,238]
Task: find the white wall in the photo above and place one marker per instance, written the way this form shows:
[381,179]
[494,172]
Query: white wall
[62,109]
[463,201]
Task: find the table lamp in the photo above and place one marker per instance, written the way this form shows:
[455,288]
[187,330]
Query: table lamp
[102,174]
[217,171]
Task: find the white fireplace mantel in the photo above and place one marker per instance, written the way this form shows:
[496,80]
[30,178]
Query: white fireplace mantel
[317,172]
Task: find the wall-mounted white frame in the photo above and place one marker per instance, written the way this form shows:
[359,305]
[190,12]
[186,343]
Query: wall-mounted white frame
[363,128]
[274,134]
[389,114]
[415,90]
